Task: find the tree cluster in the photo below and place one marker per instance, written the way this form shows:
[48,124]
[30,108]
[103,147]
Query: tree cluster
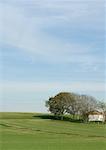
[73,104]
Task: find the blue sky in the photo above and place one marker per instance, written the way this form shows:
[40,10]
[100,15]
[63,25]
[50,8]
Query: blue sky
[49,46]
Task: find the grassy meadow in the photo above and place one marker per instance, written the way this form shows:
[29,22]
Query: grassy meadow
[31,131]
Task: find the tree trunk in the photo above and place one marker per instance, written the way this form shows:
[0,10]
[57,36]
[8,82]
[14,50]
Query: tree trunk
[61,117]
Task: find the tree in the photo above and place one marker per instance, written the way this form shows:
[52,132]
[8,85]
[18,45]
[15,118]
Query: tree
[60,104]
[73,107]
[102,106]
[86,104]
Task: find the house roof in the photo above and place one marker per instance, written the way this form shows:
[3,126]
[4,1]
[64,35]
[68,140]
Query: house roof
[95,113]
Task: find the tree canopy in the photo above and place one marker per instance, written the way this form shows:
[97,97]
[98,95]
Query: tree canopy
[74,104]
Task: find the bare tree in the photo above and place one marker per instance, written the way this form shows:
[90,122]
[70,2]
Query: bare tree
[86,104]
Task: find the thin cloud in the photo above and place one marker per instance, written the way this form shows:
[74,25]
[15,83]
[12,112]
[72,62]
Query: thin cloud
[26,33]
[51,86]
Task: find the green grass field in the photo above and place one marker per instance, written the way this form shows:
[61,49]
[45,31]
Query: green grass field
[23,131]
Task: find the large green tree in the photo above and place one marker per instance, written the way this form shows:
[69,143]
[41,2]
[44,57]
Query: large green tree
[62,103]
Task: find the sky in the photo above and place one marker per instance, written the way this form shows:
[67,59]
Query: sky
[50,46]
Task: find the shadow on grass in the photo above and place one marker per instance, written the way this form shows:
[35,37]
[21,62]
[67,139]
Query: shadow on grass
[4,125]
[52,117]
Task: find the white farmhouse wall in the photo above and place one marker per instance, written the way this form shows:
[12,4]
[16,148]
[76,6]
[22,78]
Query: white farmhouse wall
[95,117]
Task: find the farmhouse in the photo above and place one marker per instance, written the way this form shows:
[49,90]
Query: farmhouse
[96,116]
